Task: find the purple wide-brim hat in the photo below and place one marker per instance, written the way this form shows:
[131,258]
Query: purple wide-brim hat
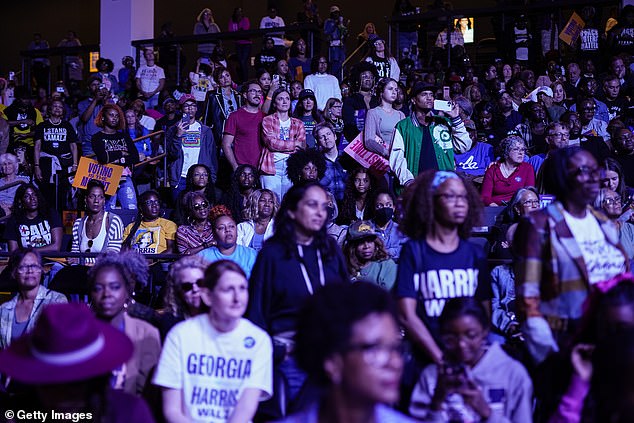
[68,344]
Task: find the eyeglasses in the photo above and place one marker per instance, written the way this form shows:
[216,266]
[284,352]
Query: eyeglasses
[151,203]
[188,286]
[377,355]
[586,172]
[25,268]
[612,201]
[202,205]
[453,198]
[90,244]
[534,203]
[518,150]
[201,175]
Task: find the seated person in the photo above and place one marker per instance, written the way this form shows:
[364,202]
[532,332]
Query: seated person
[226,236]
[150,233]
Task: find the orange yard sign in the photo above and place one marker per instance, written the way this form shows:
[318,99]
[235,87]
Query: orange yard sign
[89,169]
[572,29]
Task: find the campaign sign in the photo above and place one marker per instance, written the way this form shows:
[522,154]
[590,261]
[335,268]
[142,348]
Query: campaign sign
[89,169]
[365,157]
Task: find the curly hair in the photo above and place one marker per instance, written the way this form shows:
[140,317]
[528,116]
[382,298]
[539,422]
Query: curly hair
[325,322]
[131,265]
[349,252]
[219,211]
[296,162]
[233,197]
[174,303]
[251,209]
[99,120]
[504,149]
[420,213]
[348,209]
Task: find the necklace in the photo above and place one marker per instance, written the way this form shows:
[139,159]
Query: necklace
[506,171]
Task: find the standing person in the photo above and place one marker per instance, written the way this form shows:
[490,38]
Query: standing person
[567,244]
[381,121]
[299,62]
[40,66]
[241,136]
[189,142]
[205,24]
[9,167]
[221,334]
[73,65]
[440,136]
[272,20]
[19,315]
[333,115]
[112,283]
[440,211]
[336,32]
[348,341]
[55,140]
[88,110]
[221,103]
[112,145]
[281,135]
[307,112]
[238,22]
[295,263]
[150,80]
[321,82]
[52,361]
[386,65]
[32,224]
[98,230]
[356,106]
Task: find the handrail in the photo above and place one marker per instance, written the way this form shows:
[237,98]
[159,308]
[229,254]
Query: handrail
[356,50]
[60,51]
[12,184]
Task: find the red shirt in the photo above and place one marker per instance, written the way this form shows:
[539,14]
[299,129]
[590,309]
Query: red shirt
[496,188]
[245,128]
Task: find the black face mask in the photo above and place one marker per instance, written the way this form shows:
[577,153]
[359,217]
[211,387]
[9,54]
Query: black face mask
[382,216]
[331,213]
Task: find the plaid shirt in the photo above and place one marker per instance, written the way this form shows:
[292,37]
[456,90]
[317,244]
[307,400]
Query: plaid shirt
[334,179]
[271,142]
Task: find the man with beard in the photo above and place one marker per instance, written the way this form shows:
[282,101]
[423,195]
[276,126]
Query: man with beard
[356,106]
[241,137]
[595,145]
[425,140]
[588,89]
[512,118]
[557,136]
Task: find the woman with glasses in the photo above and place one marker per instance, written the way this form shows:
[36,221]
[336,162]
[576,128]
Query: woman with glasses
[198,180]
[348,342]
[18,315]
[562,251]
[333,114]
[150,233]
[216,364]
[182,291]
[197,234]
[610,202]
[262,205]
[510,173]
[98,230]
[476,381]
[221,102]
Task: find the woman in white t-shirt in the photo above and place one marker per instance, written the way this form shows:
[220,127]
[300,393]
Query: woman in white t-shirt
[217,366]
[563,251]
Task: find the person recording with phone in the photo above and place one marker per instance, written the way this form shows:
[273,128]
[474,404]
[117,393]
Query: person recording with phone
[189,142]
[441,137]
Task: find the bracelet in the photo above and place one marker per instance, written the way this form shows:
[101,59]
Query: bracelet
[269,98]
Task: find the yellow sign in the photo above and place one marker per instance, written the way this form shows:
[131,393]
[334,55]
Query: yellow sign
[573,28]
[89,169]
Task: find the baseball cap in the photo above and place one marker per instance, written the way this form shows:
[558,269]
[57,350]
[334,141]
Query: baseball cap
[361,229]
[186,98]
[305,94]
[334,9]
[420,86]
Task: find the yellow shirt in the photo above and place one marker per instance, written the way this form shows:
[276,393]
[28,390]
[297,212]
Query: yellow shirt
[151,237]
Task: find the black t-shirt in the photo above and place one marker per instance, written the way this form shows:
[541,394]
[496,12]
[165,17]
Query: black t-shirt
[432,278]
[110,148]
[56,138]
[32,232]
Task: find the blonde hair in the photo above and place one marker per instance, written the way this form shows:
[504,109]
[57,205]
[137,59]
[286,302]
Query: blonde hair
[174,304]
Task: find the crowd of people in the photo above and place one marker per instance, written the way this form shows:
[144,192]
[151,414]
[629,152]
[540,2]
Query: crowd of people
[389,243]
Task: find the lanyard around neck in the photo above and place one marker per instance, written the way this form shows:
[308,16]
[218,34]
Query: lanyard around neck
[322,277]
